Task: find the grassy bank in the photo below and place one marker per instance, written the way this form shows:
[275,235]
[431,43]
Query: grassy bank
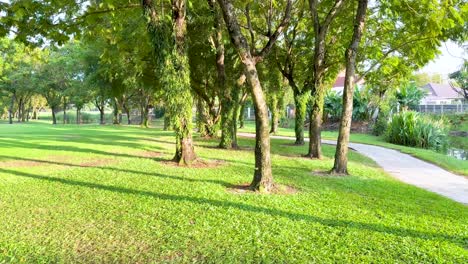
[107,194]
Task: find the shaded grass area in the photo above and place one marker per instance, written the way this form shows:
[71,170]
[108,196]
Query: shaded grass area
[105,194]
[449,163]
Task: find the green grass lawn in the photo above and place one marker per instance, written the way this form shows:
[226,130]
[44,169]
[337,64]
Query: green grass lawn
[449,163]
[100,194]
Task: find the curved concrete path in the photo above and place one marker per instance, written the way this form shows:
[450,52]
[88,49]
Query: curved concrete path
[410,170]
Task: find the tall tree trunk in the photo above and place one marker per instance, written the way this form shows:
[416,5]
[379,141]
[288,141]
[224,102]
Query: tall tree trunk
[341,154]
[54,118]
[144,108]
[300,102]
[242,115]
[274,116]
[234,143]
[116,111]
[64,112]
[315,123]
[227,111]
[201,118]
[174,66]
[102,120]
[78,116]
[127,112]
[319,71]
[27,114]
[23,111]
[227,115]
[10,110]
[263,178]
[238,101]
[34,114]
[20,108]
[185,152]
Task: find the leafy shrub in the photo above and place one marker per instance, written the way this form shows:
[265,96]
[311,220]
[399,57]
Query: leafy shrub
[409,128]
[361,110]
[285,122]
[333,105]
[381,123]
[409,96]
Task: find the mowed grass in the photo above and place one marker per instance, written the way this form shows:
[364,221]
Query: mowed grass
[99,194]
[449,163]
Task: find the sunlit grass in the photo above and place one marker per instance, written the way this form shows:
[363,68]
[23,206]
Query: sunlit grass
[106,194]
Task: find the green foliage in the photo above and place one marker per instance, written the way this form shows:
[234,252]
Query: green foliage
[409,96]
[460,79]
[410,128]
[403,36]
[98,195]
[333,105]
[381,123]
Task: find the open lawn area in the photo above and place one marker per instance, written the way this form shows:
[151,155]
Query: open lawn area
[108,194]
[449,163]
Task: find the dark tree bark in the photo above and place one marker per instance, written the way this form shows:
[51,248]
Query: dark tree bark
[54,118]
[185,151]
[27,114]
[274,116]
[319,67]
[300,103]
[242,115]
[64,111]
[78,115]
[226,100]
[10,110]
[263,178]
[100,104]
[20,110]
[341,154]
[116,112]
[127,112]
[237,110]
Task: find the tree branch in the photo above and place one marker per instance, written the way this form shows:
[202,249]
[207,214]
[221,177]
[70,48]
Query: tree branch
[272,39]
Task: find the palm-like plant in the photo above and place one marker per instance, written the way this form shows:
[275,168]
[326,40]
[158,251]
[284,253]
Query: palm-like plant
[409,96]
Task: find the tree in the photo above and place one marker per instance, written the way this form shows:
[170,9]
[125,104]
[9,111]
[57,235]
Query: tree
[17,67]
[395,45]
[341,154]
[169,39]
[460,80]
[322,60]
[250,56]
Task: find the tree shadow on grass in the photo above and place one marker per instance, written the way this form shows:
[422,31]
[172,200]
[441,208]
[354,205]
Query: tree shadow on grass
[68,148]
[104,140]
[172,177]
[402,232]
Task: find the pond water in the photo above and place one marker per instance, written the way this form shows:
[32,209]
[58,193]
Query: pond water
[461,154]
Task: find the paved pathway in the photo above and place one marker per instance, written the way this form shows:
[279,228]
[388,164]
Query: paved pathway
[409,169]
